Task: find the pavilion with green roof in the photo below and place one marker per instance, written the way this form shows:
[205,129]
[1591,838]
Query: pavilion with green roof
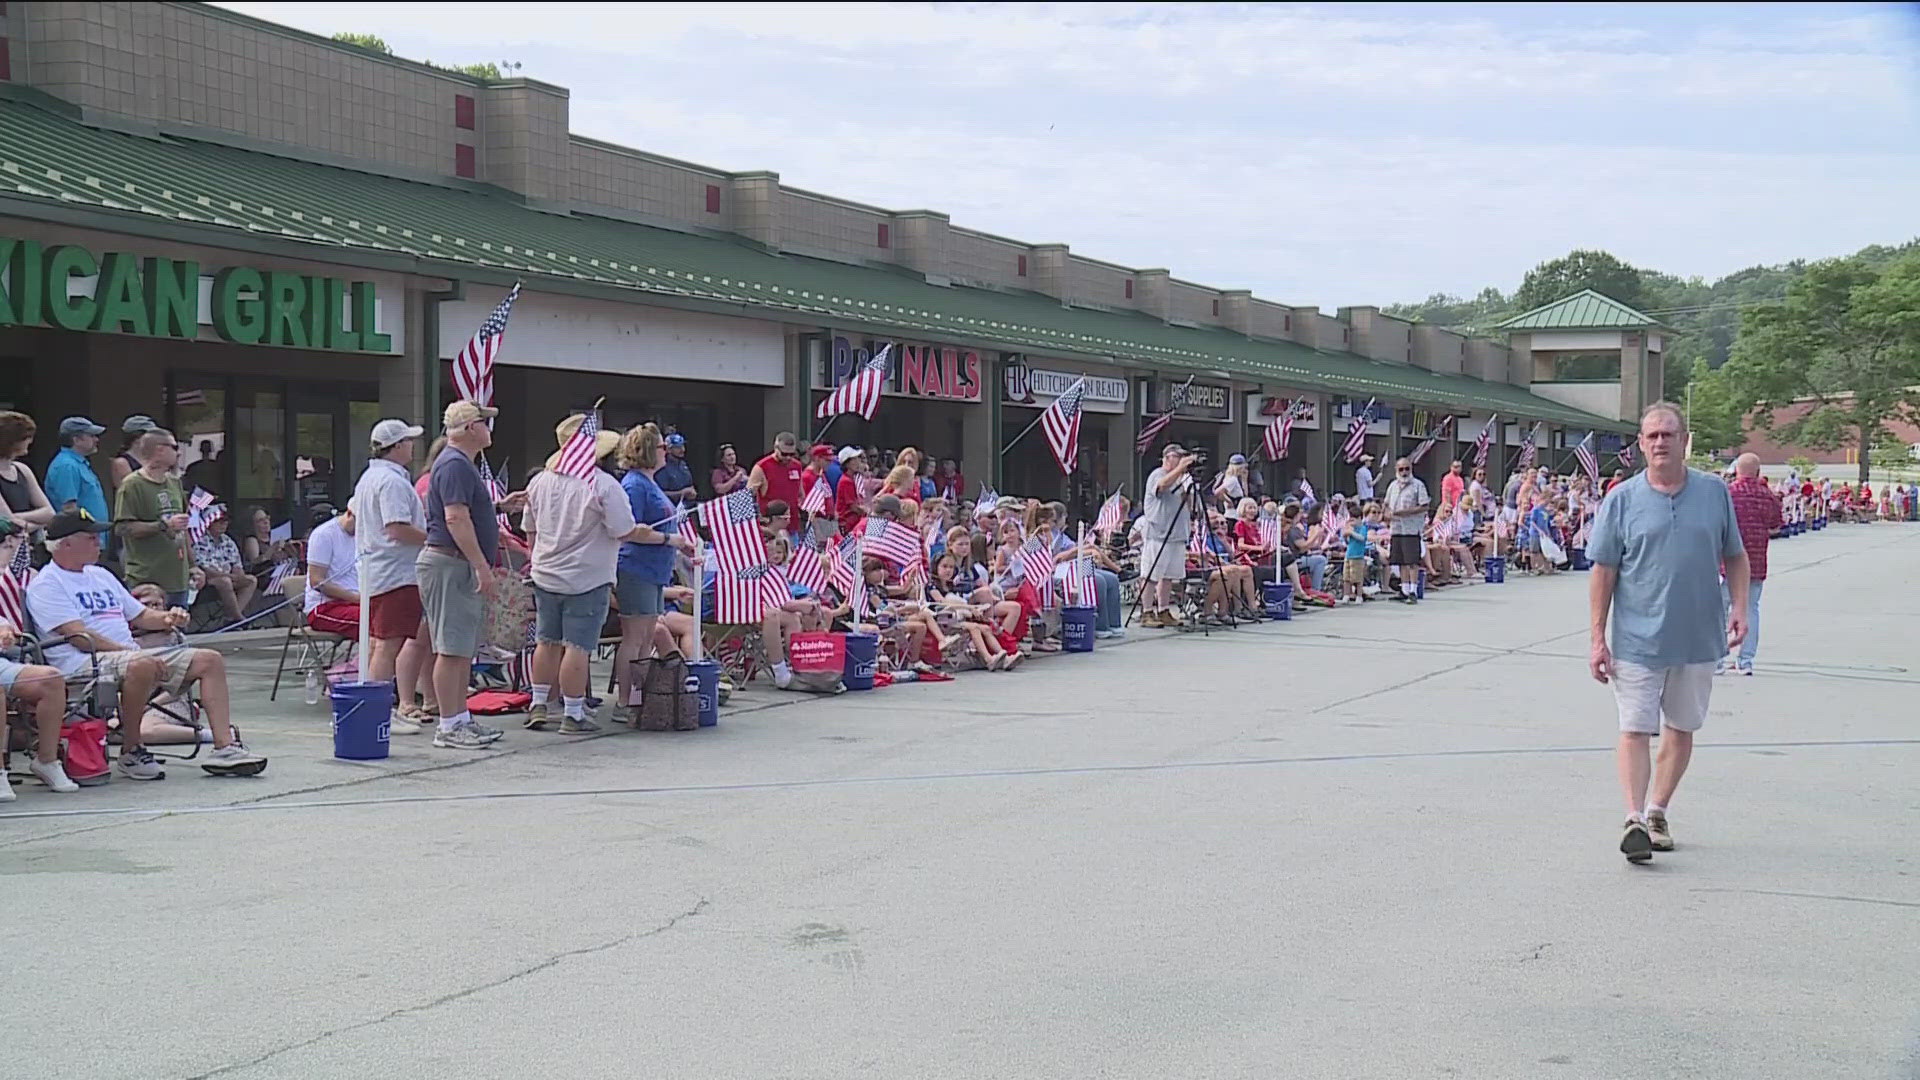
[1592,352]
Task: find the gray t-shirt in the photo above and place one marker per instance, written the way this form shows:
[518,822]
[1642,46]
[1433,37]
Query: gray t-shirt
[456,479]
[1668,550]
[1163,509]
[1405,495]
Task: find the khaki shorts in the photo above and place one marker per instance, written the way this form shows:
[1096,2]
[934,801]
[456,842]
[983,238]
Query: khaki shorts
[1646,696]
[1353,571]
[454,608]
[112,666]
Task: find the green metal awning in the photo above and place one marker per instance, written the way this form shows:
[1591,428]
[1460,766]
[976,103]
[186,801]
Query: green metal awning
[165,182]
[1584,310]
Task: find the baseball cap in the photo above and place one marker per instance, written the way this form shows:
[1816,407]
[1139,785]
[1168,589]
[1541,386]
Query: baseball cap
[1237,459]
[389,432]
[79,425]
[68,522]
[821,450]
[848,453]
[462,413]
[137,423]
[676,439]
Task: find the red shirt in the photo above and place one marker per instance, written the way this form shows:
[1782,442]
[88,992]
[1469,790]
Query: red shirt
[846,497]
[1757,510]
[1248,533]
[783,483]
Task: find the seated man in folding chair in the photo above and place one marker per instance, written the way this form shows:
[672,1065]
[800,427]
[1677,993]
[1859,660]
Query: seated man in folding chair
[87,619]
[38,689]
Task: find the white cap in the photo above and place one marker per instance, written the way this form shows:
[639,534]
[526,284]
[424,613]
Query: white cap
[848,453]
[388,432]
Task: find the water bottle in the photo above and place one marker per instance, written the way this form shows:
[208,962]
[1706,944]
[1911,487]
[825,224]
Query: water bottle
[313,688]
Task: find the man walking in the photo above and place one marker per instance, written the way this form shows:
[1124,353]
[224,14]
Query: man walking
[1407,502]
[1657,547]
[1165,520]
[392,529]
[150,515]
[1757,510]
[576,526]
[455,569]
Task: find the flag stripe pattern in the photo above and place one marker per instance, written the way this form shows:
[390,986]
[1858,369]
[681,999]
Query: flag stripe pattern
[473,368]
[740,557]
[1111,516]
[1152,431]
[1036,563]
[844,573]
[861,393]
[1280,430]
[578,456]
[985,503]
[497,488]
[1481,444]
[1357,431]
[1061,425]
[1530,448]
[1588,459]
[807,567]
[892,541]
[13,585]
[1439,432]
[197,519]
[815,500]
[1626,455]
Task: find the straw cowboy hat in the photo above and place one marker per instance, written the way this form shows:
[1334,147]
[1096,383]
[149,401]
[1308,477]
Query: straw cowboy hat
[604,441]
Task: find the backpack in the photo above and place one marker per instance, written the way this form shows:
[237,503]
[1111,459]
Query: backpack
[669,695]
[83,748]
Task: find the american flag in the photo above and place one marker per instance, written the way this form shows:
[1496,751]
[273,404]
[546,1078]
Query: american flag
[1061,425]
[741,597]
[281,571]
[807,567]
[861,393]
[1036,563]
[843,571]
[1626,455]
[496,489]
[579,455]
[1152,431]
[1485,440]
[985,503]
[734,523]
[867,487]
[1280,430]
[1588,459]
[1530,448]
[473,368]
[815,500]
[1112,515]
[1077,574]
[1357,431]
[1441,431]
[1269,532]
[197,517]
[13,584]
[892,541]
[1197,539]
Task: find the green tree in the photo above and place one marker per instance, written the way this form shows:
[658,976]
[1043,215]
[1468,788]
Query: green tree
[1714,414]
[371,42]
[1846,341]
[488,70]
[1578,270]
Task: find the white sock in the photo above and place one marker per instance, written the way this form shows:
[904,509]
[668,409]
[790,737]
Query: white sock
[541,694]
[1652,809]
[781,669]
[576,707]
[1406,587]
[448,723]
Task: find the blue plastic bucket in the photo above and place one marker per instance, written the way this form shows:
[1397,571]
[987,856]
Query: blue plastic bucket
[1420,584]
[362,719]
[863,654]
[1496,569]
[706,675]
[1076,628]
[1277,596]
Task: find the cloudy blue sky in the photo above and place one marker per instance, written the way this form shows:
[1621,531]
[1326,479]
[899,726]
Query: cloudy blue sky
[1317,154]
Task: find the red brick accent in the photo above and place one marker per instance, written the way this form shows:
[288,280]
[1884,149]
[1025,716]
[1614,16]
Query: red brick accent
[463,112]
[1022,262]
[463,161]
[884,240]
[713,198]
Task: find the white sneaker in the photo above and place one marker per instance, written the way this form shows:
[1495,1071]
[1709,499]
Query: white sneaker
[782,676]
[400,725]
[53,774]
[6,790]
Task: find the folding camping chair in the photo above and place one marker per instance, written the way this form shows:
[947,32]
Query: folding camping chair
[319,649]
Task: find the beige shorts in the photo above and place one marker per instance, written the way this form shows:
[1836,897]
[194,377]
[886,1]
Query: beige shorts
[1647,695]
[175,658]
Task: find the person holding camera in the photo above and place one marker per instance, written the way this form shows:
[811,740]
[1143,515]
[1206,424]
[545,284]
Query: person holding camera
[1167,518]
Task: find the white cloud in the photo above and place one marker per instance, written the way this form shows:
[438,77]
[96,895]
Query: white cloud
[1340,154]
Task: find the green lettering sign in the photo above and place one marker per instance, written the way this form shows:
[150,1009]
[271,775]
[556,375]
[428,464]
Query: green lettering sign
[239,312]
[158,297]
[66,311]
[122,305]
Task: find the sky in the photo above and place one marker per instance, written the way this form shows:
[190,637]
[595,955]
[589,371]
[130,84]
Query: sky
[1317,154]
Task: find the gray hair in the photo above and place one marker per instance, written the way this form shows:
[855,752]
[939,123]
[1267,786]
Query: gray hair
[1666,407]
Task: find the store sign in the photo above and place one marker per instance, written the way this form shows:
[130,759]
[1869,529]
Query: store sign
[66,286]
[1198,401]
[1262,408]
[936,372]
[1023,385]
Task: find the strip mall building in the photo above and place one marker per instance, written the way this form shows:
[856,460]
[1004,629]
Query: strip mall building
[268,240]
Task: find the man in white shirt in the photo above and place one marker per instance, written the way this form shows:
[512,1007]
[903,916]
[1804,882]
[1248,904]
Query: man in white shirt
[576,527]
[1407,502]
[332,601]
[1363,479]
[390,528]
[74,598]
[40,689]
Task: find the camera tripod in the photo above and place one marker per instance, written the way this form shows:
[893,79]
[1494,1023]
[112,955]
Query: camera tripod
[1210,561]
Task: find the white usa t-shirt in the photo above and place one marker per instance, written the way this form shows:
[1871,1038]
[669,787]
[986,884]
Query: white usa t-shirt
[332,547]
[90,596]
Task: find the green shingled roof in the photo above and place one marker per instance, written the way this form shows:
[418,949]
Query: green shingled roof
[1584,310]
[448,230]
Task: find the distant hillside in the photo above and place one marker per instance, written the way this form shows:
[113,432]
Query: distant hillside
[1706,315]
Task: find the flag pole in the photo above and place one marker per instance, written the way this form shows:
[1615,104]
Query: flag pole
[1023,433]
[699,586]
[823,427]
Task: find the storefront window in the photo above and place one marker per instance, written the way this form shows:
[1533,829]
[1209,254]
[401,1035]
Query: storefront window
[259,439]
[278,445]
[200,424]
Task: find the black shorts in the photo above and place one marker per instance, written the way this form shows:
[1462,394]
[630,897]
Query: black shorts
[1404,550]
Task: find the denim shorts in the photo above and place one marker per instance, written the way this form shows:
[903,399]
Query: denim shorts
[9,671]
[637,596]
[571,619]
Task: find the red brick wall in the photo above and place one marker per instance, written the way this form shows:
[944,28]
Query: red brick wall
[1773,451]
